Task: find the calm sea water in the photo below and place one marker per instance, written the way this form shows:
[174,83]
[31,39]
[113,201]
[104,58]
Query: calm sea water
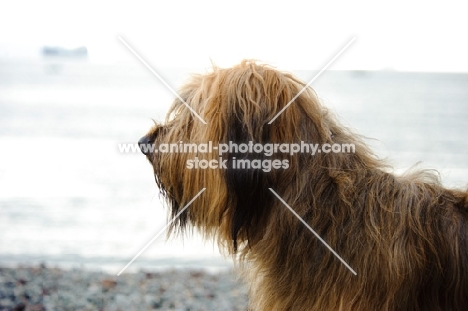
[69,198]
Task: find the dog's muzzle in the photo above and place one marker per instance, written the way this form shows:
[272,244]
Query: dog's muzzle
[145,145]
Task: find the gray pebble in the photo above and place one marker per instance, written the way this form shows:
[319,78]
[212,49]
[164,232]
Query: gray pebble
[48,289]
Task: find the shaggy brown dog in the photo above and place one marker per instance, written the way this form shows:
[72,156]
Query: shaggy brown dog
[405,236]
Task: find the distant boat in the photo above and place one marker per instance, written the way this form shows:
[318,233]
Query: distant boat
[57,51]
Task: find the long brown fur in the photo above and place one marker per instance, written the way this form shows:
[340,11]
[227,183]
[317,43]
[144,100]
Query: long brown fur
[405,236]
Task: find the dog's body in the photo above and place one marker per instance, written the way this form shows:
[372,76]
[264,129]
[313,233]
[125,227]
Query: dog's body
[406,237]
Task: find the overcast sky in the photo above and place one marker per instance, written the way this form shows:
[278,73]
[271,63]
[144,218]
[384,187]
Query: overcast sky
[400,35]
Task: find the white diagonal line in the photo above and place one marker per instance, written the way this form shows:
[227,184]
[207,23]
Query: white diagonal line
[161,79]
[313,79]
[159,233]
[315,233]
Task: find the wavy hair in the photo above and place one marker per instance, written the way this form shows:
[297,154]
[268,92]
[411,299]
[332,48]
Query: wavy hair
[405,236]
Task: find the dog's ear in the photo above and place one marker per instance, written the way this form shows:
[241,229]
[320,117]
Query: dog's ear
[248,189]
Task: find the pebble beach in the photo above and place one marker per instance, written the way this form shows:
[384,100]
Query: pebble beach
[41,288]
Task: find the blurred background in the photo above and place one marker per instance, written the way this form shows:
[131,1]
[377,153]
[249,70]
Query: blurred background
[70,92]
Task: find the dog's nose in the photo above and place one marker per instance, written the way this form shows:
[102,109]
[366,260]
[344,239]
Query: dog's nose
[145,145]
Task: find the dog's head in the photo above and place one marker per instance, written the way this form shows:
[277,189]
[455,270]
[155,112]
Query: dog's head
[237,105]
